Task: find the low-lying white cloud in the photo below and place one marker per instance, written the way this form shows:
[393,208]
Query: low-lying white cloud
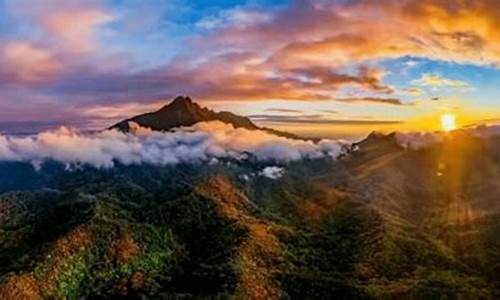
[272,172]
[201,142]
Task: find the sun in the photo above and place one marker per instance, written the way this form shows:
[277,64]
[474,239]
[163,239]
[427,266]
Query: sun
[448,122]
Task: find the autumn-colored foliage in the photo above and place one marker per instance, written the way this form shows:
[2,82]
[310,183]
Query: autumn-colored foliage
[24,287]
[124,249]
[258,256]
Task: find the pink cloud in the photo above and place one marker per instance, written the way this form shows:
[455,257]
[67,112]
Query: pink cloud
[68,25]
[23,62]
[75,29]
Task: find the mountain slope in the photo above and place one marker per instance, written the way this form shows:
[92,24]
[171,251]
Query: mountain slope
[382,222]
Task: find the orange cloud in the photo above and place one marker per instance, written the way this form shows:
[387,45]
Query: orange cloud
[315,32]
[315,83]
[299,52]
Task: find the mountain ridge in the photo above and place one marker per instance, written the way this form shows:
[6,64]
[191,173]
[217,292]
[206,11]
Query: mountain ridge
[183,111]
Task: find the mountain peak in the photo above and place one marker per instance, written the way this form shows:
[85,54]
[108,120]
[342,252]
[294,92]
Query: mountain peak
[377,142]
[183,105]
[181,101]
[377,136]
[183,111]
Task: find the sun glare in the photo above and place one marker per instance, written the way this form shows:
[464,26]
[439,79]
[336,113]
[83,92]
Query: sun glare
[448,122]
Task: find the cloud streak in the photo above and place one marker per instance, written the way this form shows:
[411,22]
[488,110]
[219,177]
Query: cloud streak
[376,100]
[435,80]
[317,119]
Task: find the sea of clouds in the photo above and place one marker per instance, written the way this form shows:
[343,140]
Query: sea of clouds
[203,142]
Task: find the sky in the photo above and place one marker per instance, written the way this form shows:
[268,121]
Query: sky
[334,68]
